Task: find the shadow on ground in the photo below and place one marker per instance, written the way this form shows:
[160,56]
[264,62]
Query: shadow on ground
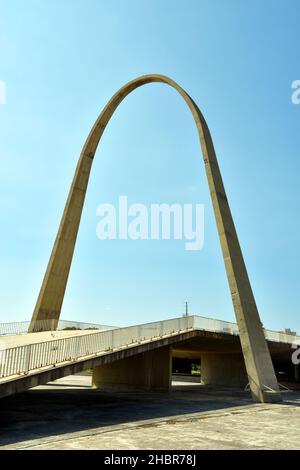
[56,409]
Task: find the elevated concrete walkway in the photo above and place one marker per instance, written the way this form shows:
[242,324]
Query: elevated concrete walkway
[132,357]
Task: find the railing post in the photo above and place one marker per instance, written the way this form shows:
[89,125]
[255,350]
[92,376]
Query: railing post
[2,361]
[77,347]
[28,358]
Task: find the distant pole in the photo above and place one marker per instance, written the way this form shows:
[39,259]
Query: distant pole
[186,309]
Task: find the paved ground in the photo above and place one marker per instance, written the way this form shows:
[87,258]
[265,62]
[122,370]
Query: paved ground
[68,414]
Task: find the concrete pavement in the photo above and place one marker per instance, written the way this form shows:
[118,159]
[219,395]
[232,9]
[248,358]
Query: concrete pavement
[68,414]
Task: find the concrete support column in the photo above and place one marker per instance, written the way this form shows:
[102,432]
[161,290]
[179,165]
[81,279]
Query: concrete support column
[224,369]
[150,370]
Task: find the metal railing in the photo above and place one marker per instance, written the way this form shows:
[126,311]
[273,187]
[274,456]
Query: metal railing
[221,326]
[216,326]
[17,328]
[280,337]
[23,359]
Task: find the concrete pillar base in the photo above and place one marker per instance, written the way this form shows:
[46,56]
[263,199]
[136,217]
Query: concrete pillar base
[268,397]
[229,370]
[150,370]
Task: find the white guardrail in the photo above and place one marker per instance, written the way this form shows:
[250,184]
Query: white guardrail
[23,359]
[18,328]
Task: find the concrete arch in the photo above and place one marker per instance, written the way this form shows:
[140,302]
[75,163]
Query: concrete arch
[256,354]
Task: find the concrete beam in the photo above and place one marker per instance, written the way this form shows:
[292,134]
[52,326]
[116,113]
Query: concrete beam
[151,370]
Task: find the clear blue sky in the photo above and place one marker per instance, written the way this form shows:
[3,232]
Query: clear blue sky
[61,61]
